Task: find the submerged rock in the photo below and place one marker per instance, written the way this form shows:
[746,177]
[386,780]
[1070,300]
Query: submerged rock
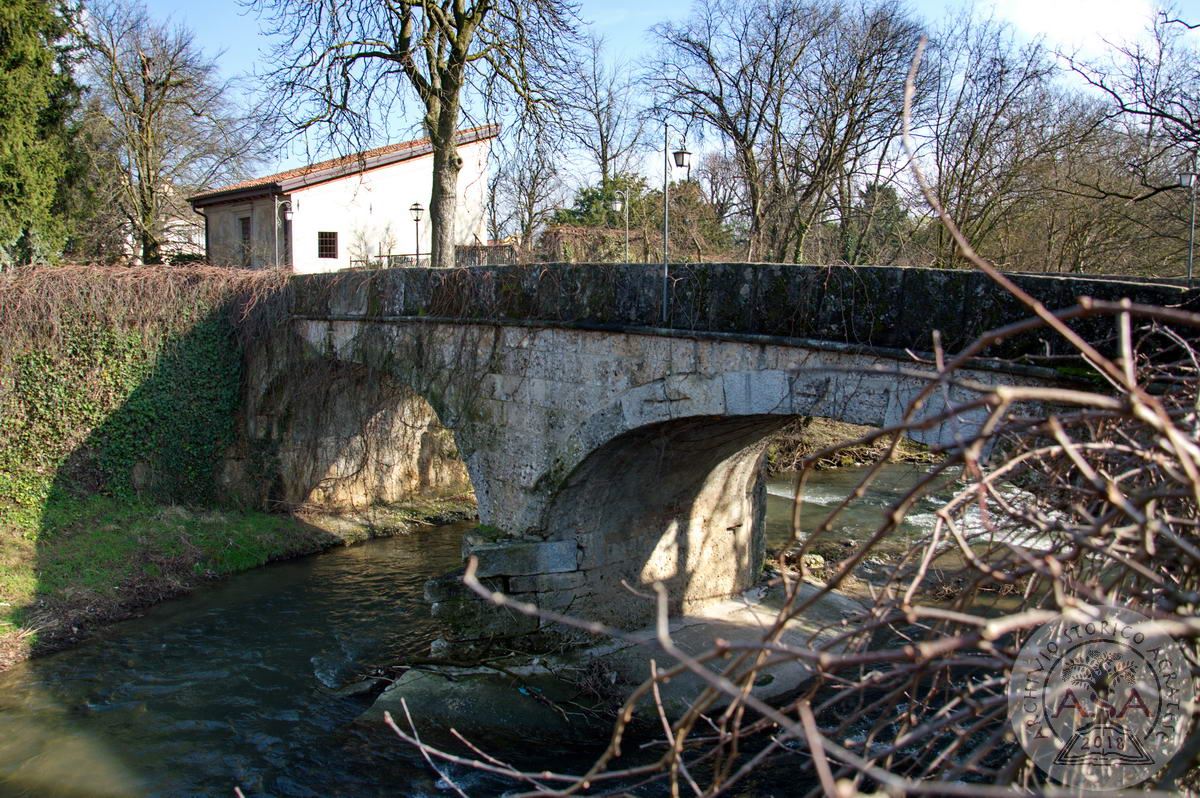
[573,696]
[525,704]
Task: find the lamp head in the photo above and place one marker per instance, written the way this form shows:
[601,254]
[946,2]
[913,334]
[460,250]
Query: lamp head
[1187,179]
[417,210]
[682,157]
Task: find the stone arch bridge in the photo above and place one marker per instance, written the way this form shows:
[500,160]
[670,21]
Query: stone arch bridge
[607,440]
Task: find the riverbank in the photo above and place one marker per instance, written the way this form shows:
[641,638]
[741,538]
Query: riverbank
[806,436]
[98,560]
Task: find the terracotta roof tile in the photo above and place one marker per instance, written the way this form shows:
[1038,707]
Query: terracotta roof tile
[465,136]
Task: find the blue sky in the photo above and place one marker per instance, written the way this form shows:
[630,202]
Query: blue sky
[226,26]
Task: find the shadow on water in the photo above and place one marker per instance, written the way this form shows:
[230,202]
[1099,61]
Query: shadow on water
[239,683]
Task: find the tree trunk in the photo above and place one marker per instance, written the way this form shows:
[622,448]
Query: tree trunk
[755,190]
[443,201]
[151,248]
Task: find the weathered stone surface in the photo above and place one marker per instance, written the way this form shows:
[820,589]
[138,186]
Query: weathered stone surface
[360,440]
[561,601]
[491,704]
[870,305]
[521,558]
[482,536]
[546,582]
[473,619]
[450,587]
[749,393]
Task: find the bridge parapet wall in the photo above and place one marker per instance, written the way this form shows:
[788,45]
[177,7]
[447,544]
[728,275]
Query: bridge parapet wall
[874,306]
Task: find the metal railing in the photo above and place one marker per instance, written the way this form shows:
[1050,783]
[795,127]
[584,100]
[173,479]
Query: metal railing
[394,261]
[465,255]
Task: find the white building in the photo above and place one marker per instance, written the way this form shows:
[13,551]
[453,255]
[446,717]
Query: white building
[346,211]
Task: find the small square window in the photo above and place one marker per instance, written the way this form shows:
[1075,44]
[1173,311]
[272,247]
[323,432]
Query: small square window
[327,245]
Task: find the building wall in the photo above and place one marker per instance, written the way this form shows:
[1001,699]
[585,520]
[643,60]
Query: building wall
[369,211]
[225,237]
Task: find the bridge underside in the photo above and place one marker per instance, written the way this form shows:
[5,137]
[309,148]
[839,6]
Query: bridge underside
[679,502]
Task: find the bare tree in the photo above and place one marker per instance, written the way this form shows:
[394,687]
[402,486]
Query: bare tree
[348,69]
[168,114]
[802,93]
[730,68]
[717,174]
[1086,209]
[1151,91]
[603,118]
[843,127]
[525,190]
[988,123]
[1155,85]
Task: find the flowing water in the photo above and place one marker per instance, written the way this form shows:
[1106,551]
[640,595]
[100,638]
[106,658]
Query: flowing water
[825,490]
[238,683]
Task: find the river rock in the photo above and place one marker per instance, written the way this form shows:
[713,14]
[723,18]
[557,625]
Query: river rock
[542,699]
[526,705]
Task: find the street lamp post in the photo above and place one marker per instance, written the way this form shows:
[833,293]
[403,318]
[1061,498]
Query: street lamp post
[681,158]
[1188,180]
[287,216]
[417,211]
[619,204]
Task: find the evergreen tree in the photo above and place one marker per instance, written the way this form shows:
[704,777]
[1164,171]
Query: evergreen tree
[37,95]
[878,228]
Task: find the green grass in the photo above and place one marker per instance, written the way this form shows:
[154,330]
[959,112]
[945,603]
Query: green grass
[94,558]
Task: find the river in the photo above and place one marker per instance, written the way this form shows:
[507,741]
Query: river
[237,684]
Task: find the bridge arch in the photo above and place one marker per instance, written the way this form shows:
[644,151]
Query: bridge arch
[553,377]
[336,435]
[679,502]
[663,482]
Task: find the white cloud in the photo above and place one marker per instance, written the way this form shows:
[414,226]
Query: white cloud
[1079,25]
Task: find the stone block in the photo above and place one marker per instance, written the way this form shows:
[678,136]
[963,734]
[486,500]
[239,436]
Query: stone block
[482,536]
[756,392]
[314,333]
[538,583]
[614,553]
[590,549]
[343,336]
[524,558]
[450,587]
[348,296]
[562,601]
[471,619]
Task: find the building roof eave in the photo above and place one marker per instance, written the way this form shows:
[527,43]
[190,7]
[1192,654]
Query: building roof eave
[285,184]
[235,195]
[325,175]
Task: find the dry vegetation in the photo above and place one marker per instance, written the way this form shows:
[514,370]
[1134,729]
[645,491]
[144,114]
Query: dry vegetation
[795,443]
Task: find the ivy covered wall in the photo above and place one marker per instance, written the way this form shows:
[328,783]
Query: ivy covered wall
[120,382]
